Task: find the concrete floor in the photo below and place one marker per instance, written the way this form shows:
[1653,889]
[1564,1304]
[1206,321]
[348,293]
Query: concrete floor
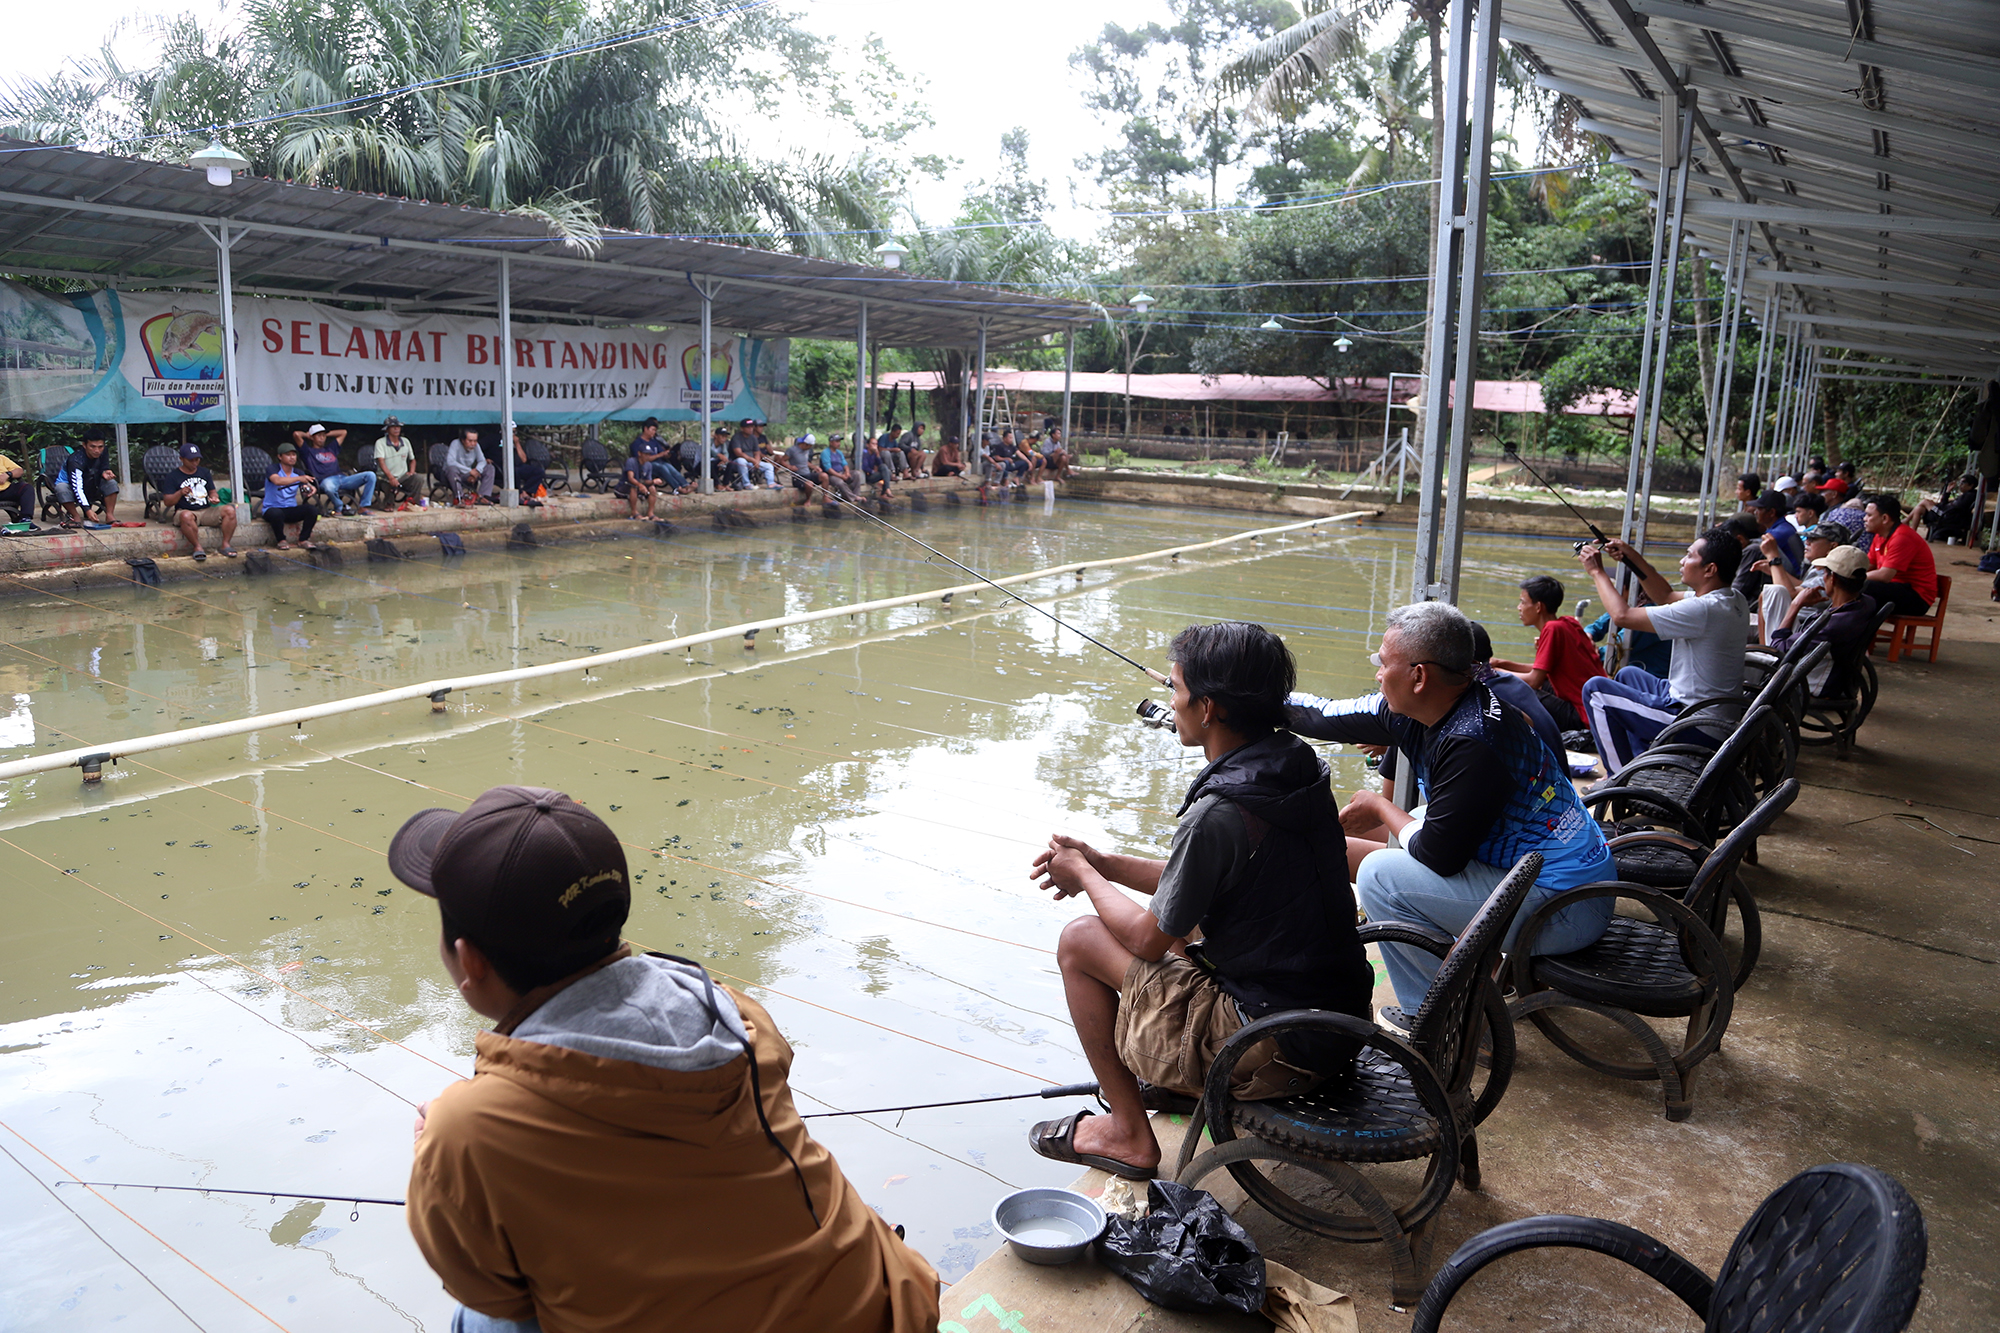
[1868,1033]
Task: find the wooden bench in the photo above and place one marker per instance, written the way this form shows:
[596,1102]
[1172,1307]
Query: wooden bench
[1901,633]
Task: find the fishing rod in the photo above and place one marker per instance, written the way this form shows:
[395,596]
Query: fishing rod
[873,518]
[1594,530]
[1066,1090]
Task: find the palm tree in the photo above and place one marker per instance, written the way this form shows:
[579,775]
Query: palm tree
[457,101]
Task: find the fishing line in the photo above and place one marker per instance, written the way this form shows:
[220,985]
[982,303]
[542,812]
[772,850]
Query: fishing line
[874,518]
[260,1194]
[1065,1090]
[1561,497]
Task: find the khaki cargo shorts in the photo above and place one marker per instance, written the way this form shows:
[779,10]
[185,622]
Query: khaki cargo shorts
[1172,1022]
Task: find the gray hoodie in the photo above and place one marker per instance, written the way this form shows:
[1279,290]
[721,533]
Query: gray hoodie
[650,1011]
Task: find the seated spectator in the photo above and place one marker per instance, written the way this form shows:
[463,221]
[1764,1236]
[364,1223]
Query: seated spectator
[1031,454]
[1848,628]
[1747,531]
[1511,690]
[915,451]
[192,501]
[626,1156]
[1840,486]
[745,437]
[950,459]
[1748,487]
[1057,453]
[1709,626]
[1492,792]
[1786,487]
[659,454]
[1564,655]
[1770,510]
[1781,602]
[1849,517]
[528,474]
[1257,867]
[288,499]
[888,444]
[1004,463]
[1806,511]
[1904,570]
[876,468]
[738,470]
[87,481]
[467,466]
[1948,517]
[802,468]
[320,448]
[763,461]
[16,492]
[396,463]
[834,472]
[718,453]
[641,477]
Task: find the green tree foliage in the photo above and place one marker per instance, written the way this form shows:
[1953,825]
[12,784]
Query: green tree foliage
[633,134]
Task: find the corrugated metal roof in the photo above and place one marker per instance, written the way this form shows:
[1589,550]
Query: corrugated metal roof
[122,221]
[1819,112]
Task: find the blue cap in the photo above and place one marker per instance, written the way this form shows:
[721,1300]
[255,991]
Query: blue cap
[191,451]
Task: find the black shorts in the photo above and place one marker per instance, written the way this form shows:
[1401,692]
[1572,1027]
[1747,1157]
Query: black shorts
[801,484]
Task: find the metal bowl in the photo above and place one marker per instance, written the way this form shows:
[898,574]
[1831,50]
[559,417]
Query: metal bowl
[1048,1226]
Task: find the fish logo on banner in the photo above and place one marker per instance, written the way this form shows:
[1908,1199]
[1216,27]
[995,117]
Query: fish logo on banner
[721,366]
[184,348]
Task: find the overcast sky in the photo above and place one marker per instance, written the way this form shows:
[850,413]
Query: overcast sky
[980,71]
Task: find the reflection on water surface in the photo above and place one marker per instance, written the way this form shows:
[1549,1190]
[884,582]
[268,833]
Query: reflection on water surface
[211,977]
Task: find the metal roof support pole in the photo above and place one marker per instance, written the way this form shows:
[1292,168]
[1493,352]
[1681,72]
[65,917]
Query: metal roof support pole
[1725,374]
[124,458]
[860,389]
[1447,268]
[1643,389]
[1781,416]
[1069,369]
[510,496]
[1754,437]
[706,288]
[232,429]
[1484,42]
[1683,122]
[975,457]
[965,408]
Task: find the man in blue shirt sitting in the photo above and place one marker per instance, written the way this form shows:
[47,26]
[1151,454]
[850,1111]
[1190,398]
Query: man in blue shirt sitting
[1770,510]
[1491,793]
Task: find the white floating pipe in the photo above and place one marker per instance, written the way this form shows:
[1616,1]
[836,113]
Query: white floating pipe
[94,757]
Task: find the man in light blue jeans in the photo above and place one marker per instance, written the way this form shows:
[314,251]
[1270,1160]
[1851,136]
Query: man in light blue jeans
[1493,792]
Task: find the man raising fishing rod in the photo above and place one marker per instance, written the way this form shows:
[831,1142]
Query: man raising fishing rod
[1260,865]
[626,1156]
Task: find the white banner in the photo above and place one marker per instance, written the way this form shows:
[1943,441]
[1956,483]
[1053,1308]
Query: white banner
[158,357]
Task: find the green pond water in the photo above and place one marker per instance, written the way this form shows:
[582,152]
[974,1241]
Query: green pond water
[210,977]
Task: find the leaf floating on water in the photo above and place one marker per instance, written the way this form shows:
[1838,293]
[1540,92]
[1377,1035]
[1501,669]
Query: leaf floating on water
[292,966]
[894,1180]
[678,804]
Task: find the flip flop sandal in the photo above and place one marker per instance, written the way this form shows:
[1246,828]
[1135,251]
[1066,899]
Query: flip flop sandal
[201,555]
[229,551]
[308,546]
[1056,1140]
[284,546]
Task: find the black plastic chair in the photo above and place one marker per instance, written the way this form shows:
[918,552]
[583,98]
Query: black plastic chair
[48,466]
[1401,1101]
[595,462]
[158,467]
[257,469]
[440,484]
[555,476]
[1834,713]
[1839,1248]
[1671,966]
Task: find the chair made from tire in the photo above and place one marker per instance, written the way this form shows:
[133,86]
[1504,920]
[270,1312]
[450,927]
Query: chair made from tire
[257,468]
[158,467]
[594,463]
[1834,716]
[1403,1101]
[440,483]
[555,476]
[1839,1248]
[1671,966]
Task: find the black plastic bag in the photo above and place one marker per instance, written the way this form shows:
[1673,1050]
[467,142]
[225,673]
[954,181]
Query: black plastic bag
[1186,1253]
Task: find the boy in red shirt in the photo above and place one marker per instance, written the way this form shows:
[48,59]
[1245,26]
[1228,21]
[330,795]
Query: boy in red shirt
[1564,655]
[1904,571]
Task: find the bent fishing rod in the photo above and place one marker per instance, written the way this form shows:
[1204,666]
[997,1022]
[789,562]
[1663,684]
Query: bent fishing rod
[1564,501]
[877,519]
[1063,1090]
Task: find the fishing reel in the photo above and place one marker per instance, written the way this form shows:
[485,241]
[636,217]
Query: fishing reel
[1155,715]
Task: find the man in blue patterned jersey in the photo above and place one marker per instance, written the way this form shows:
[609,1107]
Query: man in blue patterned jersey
[1491,791]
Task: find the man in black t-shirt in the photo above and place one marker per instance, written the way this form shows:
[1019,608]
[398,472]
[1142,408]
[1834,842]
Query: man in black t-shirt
[194,504]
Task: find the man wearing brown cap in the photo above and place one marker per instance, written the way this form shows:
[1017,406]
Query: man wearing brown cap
[618,1161]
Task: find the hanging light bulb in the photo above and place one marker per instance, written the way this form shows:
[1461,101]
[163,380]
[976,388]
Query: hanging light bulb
[891,254]
[1343,344]
[222,163]
[1142,303]
[1272,325]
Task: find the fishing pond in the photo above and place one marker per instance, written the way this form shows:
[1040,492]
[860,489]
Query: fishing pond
[210,978]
